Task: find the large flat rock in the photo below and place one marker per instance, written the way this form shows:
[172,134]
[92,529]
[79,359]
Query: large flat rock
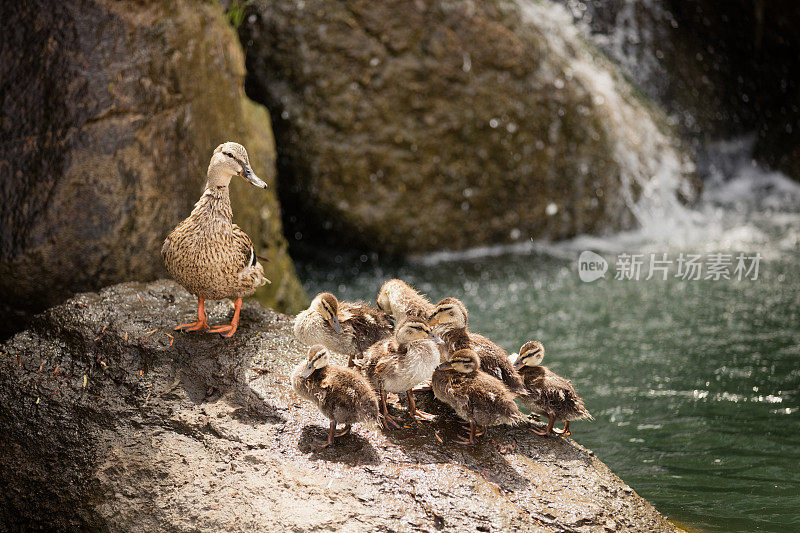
[192,432]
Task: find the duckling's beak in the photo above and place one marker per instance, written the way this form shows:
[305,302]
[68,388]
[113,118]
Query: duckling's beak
[435,338]
[445,366]
[432,322]
[336,327]
[518,364]
[307,371]
[248,174]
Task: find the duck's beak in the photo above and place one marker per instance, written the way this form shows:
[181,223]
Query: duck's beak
[445,366]
[432,322]
[336,327]
[248,174]
[518,364]
[435,338]
[307,371]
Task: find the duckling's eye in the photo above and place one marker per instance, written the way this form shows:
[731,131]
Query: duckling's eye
[228,154]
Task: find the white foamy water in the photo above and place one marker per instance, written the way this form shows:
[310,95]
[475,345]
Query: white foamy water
[743,207]
[653,166]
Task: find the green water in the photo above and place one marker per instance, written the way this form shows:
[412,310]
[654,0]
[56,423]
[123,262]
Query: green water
[694,385]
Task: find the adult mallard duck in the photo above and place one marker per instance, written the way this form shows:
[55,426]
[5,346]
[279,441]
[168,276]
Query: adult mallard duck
[401,300]
[548,393]
[450,321]
[344,327]
[207,253]
[341,394]
[475,396]
[401,363]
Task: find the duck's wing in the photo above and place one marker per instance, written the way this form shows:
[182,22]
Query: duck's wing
[370,325]
[495,362]
[243,250]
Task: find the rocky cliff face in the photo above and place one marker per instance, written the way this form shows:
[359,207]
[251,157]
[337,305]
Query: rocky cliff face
[111,111]
[414,126]
[112,422]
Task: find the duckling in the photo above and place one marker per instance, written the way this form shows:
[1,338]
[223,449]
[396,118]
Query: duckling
[401,300]
[450,320]
[347,328]
[343,395]
[549,394]
[207,253]
[477,397]
[401,363]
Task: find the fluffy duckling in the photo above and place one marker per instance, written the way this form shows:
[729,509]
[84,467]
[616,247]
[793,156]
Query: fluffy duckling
[347,328]
[450,321]
[343,395]
[401,363]
[549,394]
[477,397]
[207,253]
[401,300]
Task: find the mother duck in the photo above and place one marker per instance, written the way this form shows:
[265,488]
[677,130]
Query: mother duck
[207,253]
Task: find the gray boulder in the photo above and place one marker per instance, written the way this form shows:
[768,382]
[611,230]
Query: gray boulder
[111,422]
[413,126]
[110,114]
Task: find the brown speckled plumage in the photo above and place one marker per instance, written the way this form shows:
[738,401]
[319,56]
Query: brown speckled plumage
[475,396]
[401,300]
[361,325]
[551,395]
[494,359]
[343,395]
[548,393]
[207,253]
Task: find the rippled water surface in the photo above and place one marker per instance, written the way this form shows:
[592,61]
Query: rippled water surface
[694,385]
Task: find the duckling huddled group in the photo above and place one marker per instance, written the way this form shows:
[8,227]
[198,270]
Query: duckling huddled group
[406,342]
[403,344]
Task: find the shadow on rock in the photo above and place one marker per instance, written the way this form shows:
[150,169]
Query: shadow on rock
[352,449]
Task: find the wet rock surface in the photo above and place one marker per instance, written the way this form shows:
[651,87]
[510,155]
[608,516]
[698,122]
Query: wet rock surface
[111,111]
[410,126]
[111,421]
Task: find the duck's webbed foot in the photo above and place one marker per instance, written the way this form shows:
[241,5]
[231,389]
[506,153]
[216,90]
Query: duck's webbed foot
[320,444]
[200,323]
[415,413]
[229,329]
[472,434]
[345,431]
[388,421]
[479,431]
[546,431]
[565,432]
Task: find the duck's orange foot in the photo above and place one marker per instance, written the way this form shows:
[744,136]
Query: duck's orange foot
[422,416]
[226,331]
[193,326]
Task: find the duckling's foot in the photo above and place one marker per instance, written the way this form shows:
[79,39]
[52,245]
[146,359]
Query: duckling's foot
[471,440]
[230,329]
[320,444]
[414,412]
[388,421]
[200,323]
[565,432]
[547,431]
[345,431]
[479,431]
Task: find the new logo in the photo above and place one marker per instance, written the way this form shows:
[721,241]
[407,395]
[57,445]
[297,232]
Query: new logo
[591,266]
